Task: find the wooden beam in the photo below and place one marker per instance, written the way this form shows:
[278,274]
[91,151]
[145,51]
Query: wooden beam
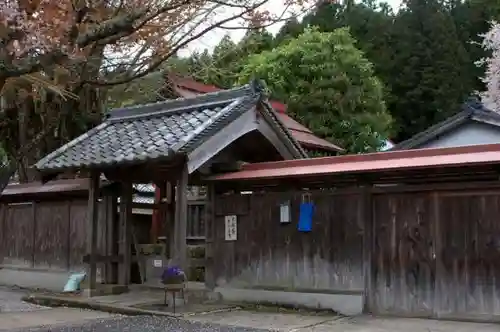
[180,227]
[125,233]
[244,124]
[366,219]
[92,223]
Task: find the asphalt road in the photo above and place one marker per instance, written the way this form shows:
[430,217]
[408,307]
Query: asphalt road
[139,324]
[10,301]
[29,317]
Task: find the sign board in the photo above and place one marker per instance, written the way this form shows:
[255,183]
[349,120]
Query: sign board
[231,228]
[285,212]
[157,263]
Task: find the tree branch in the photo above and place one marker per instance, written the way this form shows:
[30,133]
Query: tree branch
[29,65]
[175,49]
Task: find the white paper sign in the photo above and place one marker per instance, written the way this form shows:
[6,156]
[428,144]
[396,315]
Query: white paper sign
[285,212]
[157,263]
[231,228]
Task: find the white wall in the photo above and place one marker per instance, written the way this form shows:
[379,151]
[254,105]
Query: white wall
[472,133]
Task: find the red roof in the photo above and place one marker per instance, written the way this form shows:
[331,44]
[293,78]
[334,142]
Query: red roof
[305,136]
[474,155]
[187,87]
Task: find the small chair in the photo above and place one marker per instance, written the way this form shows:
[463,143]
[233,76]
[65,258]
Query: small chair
[174,288]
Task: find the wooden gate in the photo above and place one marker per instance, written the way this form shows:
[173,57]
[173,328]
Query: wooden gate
[468,248]
[403,268]
[436,254]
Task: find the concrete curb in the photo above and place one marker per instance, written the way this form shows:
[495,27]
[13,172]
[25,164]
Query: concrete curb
[60,301]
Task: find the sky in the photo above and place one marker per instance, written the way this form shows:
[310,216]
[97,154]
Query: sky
[212,38]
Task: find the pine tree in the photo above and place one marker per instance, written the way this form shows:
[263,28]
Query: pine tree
[428,76]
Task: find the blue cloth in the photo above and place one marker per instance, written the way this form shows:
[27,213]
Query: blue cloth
[305,217]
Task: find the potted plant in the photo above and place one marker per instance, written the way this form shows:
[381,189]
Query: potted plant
[173,276]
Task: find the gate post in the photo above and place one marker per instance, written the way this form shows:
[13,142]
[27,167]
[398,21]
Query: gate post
[366,218]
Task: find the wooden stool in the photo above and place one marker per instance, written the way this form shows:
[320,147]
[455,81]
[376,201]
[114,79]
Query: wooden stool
[174,288]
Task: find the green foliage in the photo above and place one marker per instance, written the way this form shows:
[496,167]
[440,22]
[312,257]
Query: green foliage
[428,78]
[328,85]
[424,55]
[222,67]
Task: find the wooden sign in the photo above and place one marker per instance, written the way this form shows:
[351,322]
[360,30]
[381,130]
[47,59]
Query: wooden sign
[231,228]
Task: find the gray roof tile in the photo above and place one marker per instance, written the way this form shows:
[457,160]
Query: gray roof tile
[152,131]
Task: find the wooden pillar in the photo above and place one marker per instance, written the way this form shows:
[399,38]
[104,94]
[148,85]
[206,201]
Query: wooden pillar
[125,233]
[180,227]
[367,220]
[169,217]
[210,238]
[157,218]
[92,223]
[110,207]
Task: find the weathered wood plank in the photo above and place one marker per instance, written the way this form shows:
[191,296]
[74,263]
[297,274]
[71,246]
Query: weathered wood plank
[366,219]
[180,254]
[125,237]
[92,224]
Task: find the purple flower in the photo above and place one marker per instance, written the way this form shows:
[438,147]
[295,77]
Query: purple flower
[171,272]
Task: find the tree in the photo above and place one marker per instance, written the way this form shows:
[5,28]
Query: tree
[85,47]
[328,85]
[491,42]
[291,29]
[428,68]
[472,19]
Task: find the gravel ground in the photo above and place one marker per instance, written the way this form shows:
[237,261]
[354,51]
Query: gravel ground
[139,324]
[10,301]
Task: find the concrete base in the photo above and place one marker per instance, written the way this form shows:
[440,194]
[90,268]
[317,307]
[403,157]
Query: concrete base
[103,290]
[34,279]
[349,305]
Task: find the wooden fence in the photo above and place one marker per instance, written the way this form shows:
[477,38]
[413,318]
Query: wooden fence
[51,234]
[432,251]
[44,234]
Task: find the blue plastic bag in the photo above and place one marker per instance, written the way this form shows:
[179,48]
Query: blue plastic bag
[74,282]
[305,217]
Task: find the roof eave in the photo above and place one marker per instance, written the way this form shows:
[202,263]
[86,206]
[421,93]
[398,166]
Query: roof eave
[295,146]
[432,132]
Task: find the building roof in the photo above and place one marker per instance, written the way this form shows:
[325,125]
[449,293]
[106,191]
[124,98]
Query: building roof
[187,87]
[144,193]
[52,187]
[472,110]
[476,155]
[160,130]
[306,137]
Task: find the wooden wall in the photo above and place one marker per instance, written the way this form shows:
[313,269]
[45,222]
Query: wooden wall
[272,255]
[435,252]
[51,234]
[45,235]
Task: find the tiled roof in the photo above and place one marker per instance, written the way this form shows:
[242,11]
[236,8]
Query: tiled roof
[146,188]
[187,87]
[147,132]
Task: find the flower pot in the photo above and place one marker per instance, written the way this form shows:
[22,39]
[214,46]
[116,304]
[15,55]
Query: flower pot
[174,280]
